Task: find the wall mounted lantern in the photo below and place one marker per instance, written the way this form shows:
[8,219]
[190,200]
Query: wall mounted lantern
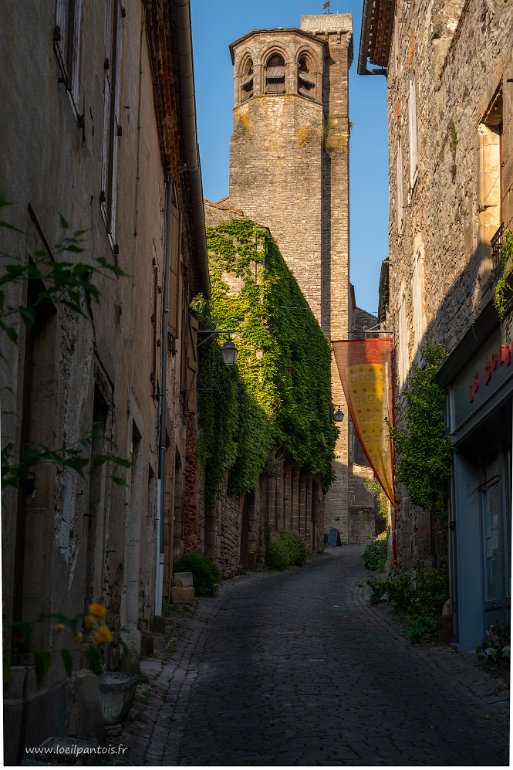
[228,349]
[338,415]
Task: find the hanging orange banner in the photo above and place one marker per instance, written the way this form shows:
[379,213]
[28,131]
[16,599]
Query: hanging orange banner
[365,369]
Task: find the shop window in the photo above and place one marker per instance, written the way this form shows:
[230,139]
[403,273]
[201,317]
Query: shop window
[246,84]
[305,77]
[68,18]
[275,75]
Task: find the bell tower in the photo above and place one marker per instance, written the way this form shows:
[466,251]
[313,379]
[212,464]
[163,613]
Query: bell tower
[289,170]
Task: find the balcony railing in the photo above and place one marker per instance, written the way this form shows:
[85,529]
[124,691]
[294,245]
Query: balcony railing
[496,246]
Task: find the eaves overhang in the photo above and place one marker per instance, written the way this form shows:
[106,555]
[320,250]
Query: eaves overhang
[376,36]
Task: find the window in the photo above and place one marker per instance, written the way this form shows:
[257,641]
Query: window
[490,176]
[403,340]
[400,184]
[305,77]
[275,75]
[174,272]
[111,122]
[68,17]
[246,83]
[412,131]
[419,315]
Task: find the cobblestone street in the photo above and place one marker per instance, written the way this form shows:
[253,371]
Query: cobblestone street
[297,668]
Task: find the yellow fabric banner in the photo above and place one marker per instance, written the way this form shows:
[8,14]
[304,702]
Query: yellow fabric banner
[365,369]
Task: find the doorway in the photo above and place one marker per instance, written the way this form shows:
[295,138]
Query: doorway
[495,504]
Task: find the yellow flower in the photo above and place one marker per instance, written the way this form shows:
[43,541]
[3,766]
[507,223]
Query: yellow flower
[98,611]
[58,627]
[103,635]
[90,621]
[77,638]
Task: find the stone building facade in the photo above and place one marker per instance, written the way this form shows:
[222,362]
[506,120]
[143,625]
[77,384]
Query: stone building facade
[98,125]
[284,499]
[450,109]
[233,530]
[289,171]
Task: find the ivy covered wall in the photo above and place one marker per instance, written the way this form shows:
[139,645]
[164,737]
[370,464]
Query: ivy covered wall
[278,397]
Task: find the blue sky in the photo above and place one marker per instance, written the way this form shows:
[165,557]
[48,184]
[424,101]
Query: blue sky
[217,23]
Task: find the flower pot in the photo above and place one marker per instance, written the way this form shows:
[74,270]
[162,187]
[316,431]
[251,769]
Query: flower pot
[117,692]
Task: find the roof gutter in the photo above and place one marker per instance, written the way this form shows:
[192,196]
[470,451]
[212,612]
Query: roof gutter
[181,17]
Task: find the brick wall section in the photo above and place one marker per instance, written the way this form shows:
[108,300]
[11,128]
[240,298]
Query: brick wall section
[460,55]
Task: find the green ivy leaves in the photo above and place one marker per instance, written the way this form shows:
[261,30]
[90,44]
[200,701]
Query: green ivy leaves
[424,450]
[279,398]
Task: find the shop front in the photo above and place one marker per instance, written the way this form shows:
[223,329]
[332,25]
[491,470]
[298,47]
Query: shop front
[479,381]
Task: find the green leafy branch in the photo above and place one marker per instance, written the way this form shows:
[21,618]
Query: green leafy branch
[502,291]
[76,457]
[59,282]
[64,283]
[423,450]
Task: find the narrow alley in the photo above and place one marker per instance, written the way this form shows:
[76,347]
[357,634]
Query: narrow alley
[297,668]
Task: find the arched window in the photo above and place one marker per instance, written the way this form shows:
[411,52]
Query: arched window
[246,81]
[275,75]
[305,77]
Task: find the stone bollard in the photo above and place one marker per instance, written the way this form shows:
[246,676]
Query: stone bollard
[183,588]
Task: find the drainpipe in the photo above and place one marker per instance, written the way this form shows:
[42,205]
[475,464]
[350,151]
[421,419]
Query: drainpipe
[163,409]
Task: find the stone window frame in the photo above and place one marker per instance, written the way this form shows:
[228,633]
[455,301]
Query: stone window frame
[274,50]
[243,77]
[307,52]
[399,185]
[418,290]
[114,14]
[413,133]
[402,334]
[491,131]
[67,39]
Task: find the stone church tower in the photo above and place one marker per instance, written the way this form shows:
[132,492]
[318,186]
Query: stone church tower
[289,171]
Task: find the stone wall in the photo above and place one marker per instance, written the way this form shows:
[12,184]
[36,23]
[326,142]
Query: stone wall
[235,527]
[78,539]
[455,60]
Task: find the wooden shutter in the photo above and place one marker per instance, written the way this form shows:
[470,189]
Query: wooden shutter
[174,272]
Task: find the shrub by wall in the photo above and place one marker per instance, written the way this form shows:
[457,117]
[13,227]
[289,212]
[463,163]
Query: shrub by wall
[375,554]
[206,575]
[286,549]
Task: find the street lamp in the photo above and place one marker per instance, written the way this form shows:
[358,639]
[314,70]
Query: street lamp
[339,414]
[228,349]
[229,353]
